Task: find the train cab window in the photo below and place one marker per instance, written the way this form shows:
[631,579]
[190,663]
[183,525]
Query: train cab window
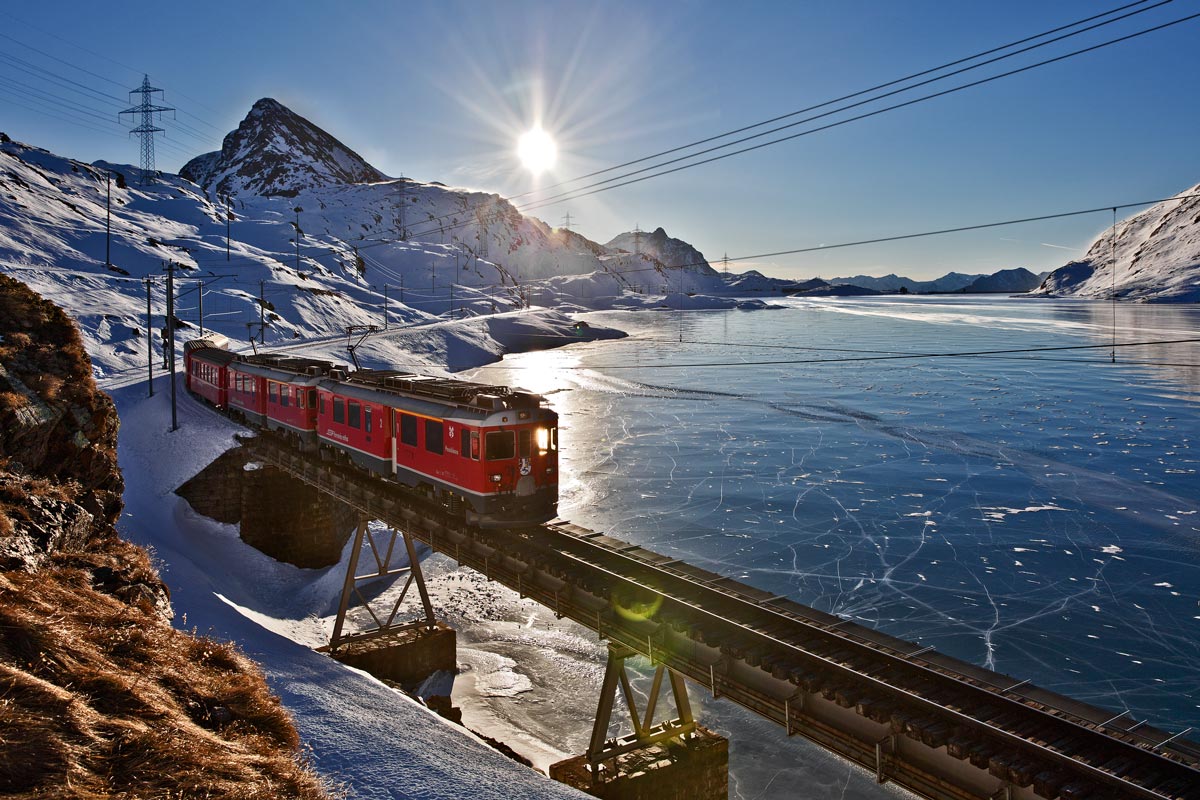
[408,430]
[433,436]
[474,449]
[322,409]
[272,392]
[525,443]
[554,438]
[355,414]
[499,445]
[312,399]
[367,419]
[339,410]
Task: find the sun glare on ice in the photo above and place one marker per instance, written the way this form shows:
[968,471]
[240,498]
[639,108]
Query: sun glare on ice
[537,150]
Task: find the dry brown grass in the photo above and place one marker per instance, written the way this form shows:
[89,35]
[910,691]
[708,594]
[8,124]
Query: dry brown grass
[101,699]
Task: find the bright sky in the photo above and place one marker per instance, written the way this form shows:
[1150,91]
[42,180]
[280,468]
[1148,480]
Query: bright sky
[442,91]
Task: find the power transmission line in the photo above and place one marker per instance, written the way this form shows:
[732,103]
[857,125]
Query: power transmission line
[857,94]
[581,193]
[532,205]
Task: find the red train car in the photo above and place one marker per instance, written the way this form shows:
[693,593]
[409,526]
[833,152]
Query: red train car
[490,450]
[487,452]
[206,369]
[278,393]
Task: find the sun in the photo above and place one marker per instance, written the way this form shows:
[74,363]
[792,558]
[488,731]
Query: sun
[537,150]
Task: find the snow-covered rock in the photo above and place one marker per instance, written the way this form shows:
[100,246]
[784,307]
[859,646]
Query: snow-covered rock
[1006,280]
[275,151]
[1156,254]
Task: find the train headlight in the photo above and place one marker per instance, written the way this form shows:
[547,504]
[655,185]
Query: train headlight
[542,436]
[495,478]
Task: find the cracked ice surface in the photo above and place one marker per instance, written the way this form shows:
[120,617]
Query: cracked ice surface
[1038,517]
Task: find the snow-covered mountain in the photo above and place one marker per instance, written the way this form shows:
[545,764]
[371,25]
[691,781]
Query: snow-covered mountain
[275,151]
[1156,252]
[1006,280]
[317,240]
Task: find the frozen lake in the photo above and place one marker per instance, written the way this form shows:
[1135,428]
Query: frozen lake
[1036,513]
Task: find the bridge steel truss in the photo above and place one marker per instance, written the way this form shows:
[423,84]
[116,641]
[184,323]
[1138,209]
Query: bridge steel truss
[939,727]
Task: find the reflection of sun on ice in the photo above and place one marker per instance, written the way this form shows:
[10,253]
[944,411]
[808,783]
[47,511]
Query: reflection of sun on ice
[537,150]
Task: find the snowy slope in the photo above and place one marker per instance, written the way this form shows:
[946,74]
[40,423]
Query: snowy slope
[1157,256]
[363,736]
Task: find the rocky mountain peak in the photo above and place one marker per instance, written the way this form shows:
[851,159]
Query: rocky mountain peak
[275,151]
[671,252]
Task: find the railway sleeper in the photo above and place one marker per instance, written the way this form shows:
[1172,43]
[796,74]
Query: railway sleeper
[847,696]
[1048,783]
[958,746]
[1022,771]
[1077,790]
[935,735]
[881,711]
[981,753]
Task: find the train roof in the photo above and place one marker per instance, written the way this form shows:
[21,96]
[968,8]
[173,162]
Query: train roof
[213,355]
[488,397]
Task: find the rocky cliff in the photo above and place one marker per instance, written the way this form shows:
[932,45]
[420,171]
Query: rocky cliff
[99,696]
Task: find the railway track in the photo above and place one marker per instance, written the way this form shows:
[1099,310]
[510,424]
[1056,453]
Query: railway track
[912,715]
[1130,763]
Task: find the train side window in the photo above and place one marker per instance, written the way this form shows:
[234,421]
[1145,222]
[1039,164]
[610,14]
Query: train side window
[554,438]
[355,413]
[433,436]
[272,392]
[525,443]
[322,409]
[408,430]
[367,419]
[312,399]
[339,410]
[499,445]
[285,395]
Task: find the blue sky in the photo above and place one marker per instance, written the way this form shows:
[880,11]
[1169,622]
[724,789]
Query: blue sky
[441,90]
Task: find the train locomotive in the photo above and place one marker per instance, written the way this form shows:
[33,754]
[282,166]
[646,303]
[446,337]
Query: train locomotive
[489,453]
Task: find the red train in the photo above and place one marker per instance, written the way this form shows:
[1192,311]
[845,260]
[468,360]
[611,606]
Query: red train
[488,452]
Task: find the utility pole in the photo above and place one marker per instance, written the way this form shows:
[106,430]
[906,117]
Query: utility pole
[637,239]
[108,220]
[200,303]
[567,221]
[149,343]
[297,209]
[170,270]
[262,307]
[385,307]
[401,288]
[228,219]
[146,129]
[403,202]
[725,262]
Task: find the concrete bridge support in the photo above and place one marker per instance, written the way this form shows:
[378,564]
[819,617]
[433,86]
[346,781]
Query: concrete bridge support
[670,760]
